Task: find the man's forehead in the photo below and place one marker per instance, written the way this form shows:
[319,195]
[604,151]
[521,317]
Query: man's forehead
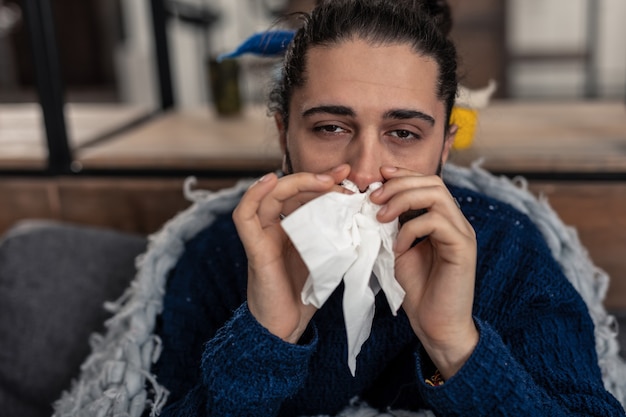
[357,64]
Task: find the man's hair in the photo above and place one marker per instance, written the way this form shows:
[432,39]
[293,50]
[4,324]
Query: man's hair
[423,24]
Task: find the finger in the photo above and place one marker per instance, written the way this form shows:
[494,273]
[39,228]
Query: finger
[339,174]
[412,194]
[453,245]
[409,197]
[303,195]
[288,188]
[294,203]
[389,172]
[245,214]
[408,180]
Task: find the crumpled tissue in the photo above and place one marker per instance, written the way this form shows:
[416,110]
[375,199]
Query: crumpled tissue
[339,238]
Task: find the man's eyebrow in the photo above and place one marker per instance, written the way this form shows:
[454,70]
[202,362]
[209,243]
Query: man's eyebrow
[402,114]
[335,110]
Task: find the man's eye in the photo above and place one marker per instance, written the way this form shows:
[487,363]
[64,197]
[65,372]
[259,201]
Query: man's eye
[403,134]
[329,129]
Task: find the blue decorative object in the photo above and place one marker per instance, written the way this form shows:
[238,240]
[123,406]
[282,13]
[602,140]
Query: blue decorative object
[270,43]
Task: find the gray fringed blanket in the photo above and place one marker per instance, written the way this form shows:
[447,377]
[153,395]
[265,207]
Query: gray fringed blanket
[115,379]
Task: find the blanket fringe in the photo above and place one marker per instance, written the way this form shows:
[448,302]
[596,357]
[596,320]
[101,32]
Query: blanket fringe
[589,280]
[113,378]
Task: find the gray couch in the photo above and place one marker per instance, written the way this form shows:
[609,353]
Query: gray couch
[54,279]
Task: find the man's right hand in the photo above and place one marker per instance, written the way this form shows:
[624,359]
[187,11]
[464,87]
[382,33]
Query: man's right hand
[276,273]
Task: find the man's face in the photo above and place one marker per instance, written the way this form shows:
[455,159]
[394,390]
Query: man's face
[367,106]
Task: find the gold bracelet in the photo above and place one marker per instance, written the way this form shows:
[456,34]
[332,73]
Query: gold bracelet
[436,380]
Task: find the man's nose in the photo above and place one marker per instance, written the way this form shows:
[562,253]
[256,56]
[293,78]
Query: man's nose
[365,160]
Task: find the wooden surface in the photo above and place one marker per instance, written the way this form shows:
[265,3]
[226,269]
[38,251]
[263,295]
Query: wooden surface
[511,137]
[550,137]
[22,138]
[138,205]
[192,139]
[597,210]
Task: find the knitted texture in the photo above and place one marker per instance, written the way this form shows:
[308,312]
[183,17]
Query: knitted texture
[535,356]
[590,281]
[112,380]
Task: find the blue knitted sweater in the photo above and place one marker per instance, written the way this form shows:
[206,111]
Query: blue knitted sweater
[535,356]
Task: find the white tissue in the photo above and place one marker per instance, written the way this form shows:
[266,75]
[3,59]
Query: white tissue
[338,237]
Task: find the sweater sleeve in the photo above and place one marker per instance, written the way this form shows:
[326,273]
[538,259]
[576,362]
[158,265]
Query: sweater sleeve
[495,382]
[217,359]
[536,353]
[246,370]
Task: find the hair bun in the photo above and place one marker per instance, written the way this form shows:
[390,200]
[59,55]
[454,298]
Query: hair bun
[440,12]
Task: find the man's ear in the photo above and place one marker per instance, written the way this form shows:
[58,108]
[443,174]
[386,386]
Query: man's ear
[282,132]
[448,142]
[282,139]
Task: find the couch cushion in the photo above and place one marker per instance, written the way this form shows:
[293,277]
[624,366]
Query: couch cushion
[54,279]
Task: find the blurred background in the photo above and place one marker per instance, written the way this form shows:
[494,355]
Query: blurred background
[535,49]
[107,105]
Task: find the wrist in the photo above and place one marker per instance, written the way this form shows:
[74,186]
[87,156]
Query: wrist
[449,358]
[297,336]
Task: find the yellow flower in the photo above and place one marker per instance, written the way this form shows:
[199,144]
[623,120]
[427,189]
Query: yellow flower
[465,113]
[466,120]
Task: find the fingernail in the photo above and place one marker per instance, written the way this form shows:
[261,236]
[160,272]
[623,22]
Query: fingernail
[323,177]
[339,168]
[376,192]
[390,169]
[382,210]
[260,180]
